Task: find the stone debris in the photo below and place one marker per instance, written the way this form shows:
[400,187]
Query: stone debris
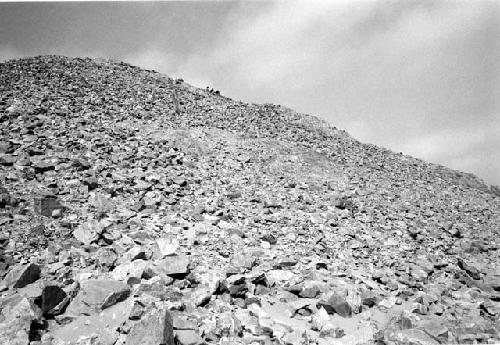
[139,210]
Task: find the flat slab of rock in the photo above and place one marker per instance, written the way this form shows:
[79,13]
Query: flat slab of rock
[45,205]
[155,328]
[131,271]
[174,266]
[492,280]
[279,276]
[167,246]
[17,314]
[102,325]
[188,337]
[337,304]
[98,294]
[88,232]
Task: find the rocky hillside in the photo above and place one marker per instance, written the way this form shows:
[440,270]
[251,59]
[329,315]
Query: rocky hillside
[137,209]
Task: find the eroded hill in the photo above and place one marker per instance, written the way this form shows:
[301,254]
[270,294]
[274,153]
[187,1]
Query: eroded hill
[137,209]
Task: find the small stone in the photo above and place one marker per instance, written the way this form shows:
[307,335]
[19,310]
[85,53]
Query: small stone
[43,166]
[167,246]
[293,338]
[336,304]
[57,213]
[7,160]
[188,337]
[369,298]
[238,290]
[199,295]
[470,268]
[411,336]
[137,311]
[131,272]
[174,266]
[136,253]
[91,183]
[492,280]
[274,276]
[45,205]
[269,238]
[310,292]
[105,258]
[88,232]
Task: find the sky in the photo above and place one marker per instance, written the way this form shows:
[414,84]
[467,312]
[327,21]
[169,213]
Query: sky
[418,77]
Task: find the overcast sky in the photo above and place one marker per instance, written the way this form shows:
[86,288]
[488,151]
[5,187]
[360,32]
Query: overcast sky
[421,77]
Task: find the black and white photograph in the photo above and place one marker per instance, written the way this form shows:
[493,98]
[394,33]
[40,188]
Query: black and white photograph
[250,172]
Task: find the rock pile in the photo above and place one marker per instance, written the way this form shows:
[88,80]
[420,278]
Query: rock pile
[135,209]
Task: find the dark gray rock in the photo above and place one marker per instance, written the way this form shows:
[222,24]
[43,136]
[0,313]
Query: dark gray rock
[336,304]
[22,275]
[155,328]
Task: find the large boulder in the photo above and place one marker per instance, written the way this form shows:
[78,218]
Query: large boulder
[155,328]
[17,313]
[22,275]
[98,294]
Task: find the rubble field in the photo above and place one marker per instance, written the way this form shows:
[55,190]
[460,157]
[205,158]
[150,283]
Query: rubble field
[136,209]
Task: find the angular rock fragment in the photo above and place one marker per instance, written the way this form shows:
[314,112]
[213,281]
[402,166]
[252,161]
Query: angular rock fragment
[7,160]
[88,232]
[105,258]
[43,166]
[369,298]
[167,246]
[176,266]
[154,328]
[98,328]
[188,337]
[137,311]
[97,294]
[492,280]
[54,299]
[270,239]
[46,205]
[310,292]
[17,315]
[336,304]
[130,272]
[471,270]
[22,275]
[5,198]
